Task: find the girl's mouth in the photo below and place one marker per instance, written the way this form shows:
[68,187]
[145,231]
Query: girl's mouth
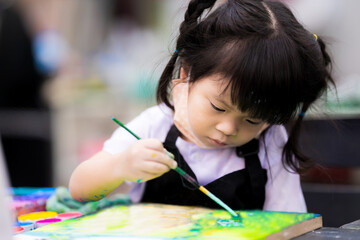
[217,143]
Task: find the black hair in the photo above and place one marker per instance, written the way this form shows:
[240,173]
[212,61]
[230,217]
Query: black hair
[275,67]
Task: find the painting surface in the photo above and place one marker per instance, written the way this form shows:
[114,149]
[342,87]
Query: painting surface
[157,221]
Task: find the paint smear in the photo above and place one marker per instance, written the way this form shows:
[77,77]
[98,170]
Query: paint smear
[69,215]
[45,222]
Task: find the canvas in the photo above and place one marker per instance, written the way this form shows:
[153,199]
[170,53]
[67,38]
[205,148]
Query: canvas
[159,221]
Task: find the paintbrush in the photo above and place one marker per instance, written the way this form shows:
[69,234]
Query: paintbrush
[188,177]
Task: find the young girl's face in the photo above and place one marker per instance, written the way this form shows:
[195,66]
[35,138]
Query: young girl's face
[215,121]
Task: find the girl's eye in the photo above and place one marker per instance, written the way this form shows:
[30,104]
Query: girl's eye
[216,108]
[252,122]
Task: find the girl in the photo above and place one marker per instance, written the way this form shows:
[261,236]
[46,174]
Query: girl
[241,69]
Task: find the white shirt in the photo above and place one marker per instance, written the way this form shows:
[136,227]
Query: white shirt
[283,190]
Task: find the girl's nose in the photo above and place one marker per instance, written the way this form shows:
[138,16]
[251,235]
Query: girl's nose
[228,127]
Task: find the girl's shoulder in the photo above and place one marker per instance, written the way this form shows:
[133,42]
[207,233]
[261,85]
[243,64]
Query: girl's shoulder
[157,113]
[153,122]
[277,135]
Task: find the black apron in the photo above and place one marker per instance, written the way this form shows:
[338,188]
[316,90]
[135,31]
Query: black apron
[242,189]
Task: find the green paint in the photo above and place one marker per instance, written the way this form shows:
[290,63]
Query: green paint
[171,222]
[139,180]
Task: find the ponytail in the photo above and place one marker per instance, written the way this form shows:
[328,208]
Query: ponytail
[292,148]
[326,57]
[326,61]
[194,11]
[162,92]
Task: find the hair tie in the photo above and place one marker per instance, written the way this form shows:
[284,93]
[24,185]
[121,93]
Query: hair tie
[316,37]
[302,114]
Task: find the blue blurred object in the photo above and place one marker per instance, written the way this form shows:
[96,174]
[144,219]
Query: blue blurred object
[49,50]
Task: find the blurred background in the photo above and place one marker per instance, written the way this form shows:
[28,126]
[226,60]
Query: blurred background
[68,66]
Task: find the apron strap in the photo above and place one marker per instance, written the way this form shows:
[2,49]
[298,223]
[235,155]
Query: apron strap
[256,173]
[170,145]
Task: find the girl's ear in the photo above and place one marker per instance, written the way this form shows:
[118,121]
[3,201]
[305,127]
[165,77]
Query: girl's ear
[183,73]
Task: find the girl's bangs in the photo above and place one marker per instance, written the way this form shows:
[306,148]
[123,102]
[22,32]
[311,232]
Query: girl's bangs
[264,76]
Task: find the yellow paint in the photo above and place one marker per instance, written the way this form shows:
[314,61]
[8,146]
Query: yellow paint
[204,190]
[153,155]
[32,217]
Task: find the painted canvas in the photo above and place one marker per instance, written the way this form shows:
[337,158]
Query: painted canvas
[158,221]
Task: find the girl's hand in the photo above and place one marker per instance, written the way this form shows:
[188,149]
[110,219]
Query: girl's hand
[144,160]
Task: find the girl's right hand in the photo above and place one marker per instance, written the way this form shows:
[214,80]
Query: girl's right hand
[144,160]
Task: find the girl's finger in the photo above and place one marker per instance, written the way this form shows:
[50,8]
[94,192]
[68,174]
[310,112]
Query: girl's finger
[146,176]
[153,167]
[160,157]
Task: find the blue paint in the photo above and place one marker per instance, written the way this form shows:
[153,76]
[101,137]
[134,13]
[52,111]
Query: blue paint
[230,223]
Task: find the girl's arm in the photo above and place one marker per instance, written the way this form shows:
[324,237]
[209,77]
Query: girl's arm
[97,177]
